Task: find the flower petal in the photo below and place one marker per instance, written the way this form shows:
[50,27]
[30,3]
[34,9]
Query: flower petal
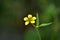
[33,18]
[32,22]
[27,22]
[29,16]
[25,19]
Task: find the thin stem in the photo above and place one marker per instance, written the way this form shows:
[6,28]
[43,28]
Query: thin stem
[38,34]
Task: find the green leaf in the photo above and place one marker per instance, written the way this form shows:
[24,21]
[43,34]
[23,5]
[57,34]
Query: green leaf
[46,24]
[37,20]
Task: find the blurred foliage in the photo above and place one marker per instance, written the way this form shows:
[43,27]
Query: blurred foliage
[12,13]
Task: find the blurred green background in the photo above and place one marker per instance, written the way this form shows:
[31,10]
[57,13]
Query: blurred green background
[12,25]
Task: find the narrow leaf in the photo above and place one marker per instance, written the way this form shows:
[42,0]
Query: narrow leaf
[46,24]
[37,20]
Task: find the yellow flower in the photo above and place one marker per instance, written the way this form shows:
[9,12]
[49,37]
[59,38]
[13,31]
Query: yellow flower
[29,19]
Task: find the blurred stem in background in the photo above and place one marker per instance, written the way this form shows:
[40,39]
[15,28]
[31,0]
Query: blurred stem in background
[38,34]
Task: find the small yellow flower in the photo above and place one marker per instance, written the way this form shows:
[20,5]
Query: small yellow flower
[29,19]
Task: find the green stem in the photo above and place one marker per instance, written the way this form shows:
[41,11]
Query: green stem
[38,34]
[37,26]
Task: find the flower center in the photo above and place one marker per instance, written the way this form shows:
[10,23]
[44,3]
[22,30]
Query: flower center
[30,19]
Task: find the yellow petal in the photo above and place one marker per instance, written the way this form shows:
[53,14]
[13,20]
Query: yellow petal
[27,22]
[29,16]
[25,19]
[33,18]
[32,22]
